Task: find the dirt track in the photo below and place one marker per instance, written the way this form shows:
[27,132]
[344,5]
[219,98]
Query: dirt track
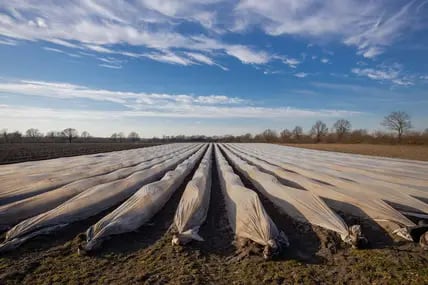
[148,257]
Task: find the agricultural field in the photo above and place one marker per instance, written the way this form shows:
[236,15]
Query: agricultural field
[414,152]
[19,152]
[195,213]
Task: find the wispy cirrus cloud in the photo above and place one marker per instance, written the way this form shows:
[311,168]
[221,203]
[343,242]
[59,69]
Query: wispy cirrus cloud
[301,74]
[61,51]
[98,27]
[246,55]
[370,26]
[152,27]
[71,91]
[141,104]
[390,73]
[324,60]
[8,42]
[172,111]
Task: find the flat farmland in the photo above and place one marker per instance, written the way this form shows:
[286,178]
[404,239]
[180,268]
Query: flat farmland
[414,152]
[198,213]
[19,152]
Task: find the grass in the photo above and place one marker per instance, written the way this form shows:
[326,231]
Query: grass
[413,152]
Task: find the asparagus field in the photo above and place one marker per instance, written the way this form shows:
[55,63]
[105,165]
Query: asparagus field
[194,213]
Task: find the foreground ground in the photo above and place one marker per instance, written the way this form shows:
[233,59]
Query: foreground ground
[19,152]
[147,256]
[414,152]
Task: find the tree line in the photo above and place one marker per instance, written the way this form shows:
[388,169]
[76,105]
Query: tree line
[67,135]
[341,131]
[398,123]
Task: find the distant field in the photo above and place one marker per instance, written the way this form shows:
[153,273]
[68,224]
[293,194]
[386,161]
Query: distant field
[19,152]
[415,152]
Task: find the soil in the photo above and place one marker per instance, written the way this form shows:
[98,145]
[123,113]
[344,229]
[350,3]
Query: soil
[413,152]
[19,152]
[315,256]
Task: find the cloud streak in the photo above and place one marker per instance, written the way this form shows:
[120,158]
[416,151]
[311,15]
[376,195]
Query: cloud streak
[152,26]
[384,73]
[140,104]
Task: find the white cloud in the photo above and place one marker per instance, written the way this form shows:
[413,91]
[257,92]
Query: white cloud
[385,73]
[8,42]
[301,74]
[324,60]
[372,52]
[201,58]
[140,104]
[111,66]
[370,26]
[70,91]
[153,26]
[291,62]
[61,51]
[100,26]
[169,57]
[246,55]
[172,111]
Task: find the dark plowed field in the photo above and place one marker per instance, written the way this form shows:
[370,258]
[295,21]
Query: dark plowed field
[20,152]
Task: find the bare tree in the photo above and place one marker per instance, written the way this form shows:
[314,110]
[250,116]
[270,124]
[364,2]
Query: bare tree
[285,135]
[54,134]
[4,134]
[297,132]
[399,122]
[85,135]
[319,129]
[247,137]
[133,136]
[270,135]
[342,127]
[70,134]
[15,136]
[33,134]
[120,136]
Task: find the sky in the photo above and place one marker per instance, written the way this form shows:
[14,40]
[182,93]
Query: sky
[211,67]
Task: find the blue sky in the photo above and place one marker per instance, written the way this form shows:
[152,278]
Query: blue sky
[210,67]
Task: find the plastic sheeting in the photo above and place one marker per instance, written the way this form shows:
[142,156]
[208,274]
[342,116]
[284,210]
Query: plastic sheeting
[140,207]
[246,214]
[406,176]
[362,185]
[13,213]
[340,199]
[193,207]
[301,205]
[89,203]
[23,184]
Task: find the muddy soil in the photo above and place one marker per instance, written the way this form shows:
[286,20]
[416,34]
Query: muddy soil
[147,256]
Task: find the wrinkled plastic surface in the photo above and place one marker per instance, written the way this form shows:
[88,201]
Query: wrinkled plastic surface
[301,205]
[91,202]
[12,213]
[141,206]
[349,202]
[247,216]
[194,204]
[24,182]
